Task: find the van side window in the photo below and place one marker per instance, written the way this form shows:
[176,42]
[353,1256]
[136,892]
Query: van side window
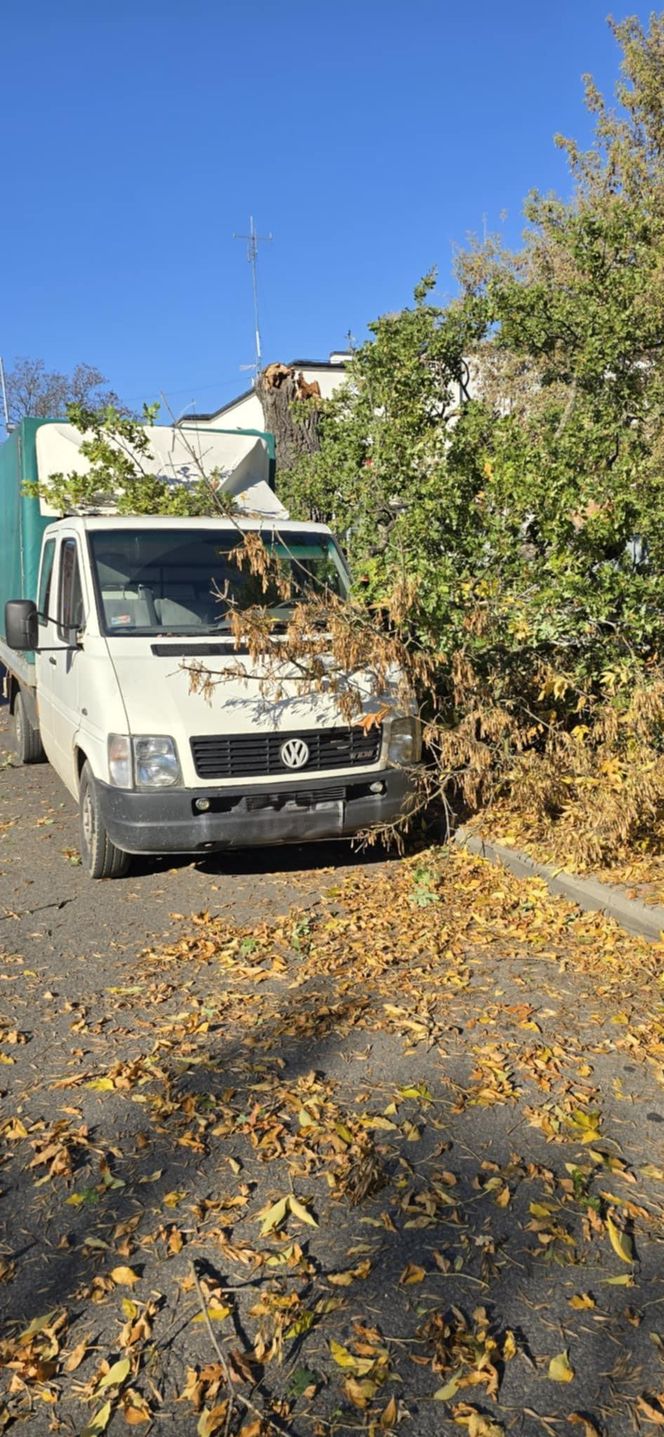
[70,607]
[45,577]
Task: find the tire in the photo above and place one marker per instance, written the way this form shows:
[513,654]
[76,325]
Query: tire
[100,857]
[28,743]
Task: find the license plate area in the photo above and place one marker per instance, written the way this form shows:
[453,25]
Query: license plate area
[304,801]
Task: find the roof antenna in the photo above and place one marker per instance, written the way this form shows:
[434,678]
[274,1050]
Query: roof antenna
[253,241]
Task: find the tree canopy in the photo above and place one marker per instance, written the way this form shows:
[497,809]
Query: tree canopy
[39,393]
[504,454]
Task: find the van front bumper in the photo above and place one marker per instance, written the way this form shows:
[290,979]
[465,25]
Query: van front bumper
[169,821]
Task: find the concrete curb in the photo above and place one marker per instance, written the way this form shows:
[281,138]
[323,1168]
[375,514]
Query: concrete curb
[644,919]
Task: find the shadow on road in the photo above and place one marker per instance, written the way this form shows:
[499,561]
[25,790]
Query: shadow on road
[277,859]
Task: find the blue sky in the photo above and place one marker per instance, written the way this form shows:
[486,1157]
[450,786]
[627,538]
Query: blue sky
[369,136]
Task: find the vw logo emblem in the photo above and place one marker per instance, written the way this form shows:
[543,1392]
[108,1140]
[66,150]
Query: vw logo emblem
[294,753]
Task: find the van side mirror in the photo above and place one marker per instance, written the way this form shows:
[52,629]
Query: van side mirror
[21,627]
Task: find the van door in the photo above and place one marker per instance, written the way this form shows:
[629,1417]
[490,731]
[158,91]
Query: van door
[61,667]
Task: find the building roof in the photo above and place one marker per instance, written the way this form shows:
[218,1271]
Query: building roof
[337,366]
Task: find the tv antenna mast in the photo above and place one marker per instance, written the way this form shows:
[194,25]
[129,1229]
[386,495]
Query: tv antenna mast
[253,241]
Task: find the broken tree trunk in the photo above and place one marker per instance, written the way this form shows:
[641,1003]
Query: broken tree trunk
[291,411]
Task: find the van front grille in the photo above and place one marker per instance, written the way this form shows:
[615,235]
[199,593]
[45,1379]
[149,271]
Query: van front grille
[255,755]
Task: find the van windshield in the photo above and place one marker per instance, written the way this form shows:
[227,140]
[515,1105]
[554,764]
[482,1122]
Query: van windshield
[154,581]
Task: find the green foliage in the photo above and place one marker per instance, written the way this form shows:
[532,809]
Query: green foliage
[117,449]
[527,518]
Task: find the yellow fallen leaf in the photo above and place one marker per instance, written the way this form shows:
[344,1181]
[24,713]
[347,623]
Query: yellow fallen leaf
[542,1209]
[212,1420]
[509,1346]
[621,1242]
[590,1428]
[217,1311]
[75,1357]
[116,1375]
[344,1279]
[389,1415]
[341,1355]
[135,1408]
[411,1274]
[480,1426]
[38,1324]
[651,1414]
[14,1129]
[99,1422]
[582,1301]
[274,1216]
[124,1276]
[348,1360]
[446,1393]
[299,1210]
[560,1369]
[359,1392]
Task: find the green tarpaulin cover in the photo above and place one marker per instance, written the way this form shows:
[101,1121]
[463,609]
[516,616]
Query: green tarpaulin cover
[21,522]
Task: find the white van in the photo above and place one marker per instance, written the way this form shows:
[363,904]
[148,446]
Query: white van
[124,607]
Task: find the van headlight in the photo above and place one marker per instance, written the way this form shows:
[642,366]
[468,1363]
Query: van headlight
[404,744]
[156,763]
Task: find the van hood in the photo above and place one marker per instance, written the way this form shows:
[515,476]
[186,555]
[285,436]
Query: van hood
[161,695]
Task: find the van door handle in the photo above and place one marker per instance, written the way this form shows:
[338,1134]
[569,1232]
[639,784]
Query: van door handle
[52,660]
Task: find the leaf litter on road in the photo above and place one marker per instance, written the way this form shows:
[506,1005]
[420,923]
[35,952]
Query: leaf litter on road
[405,1144]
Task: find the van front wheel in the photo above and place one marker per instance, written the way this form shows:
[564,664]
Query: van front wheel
[101,859]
